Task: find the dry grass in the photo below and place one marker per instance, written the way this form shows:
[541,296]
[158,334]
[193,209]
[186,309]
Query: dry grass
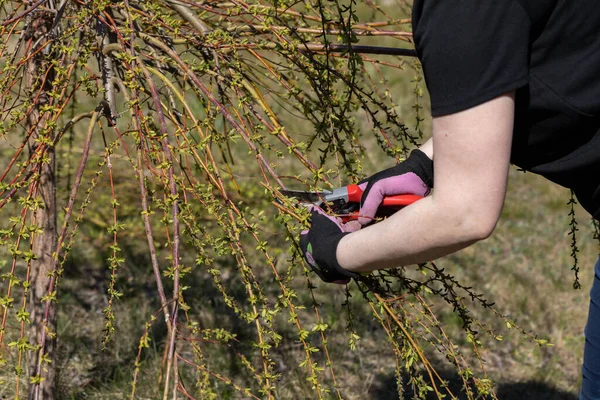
[524,268]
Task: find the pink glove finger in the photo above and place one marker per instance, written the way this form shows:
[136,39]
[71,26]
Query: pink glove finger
[408,183]
[351,226]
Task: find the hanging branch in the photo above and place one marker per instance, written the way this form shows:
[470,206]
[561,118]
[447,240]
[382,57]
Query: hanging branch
[211,109]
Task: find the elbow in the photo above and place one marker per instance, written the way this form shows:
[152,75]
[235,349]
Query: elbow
[472,225]
[470,217]
[475,228]
[481,230]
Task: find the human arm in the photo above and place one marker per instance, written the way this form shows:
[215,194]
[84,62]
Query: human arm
[472,158]
[471,55]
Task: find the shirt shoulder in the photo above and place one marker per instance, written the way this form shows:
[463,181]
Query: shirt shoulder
[471,50]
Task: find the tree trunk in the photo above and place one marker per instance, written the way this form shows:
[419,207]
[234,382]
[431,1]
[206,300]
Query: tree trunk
[43,247]
[38,80]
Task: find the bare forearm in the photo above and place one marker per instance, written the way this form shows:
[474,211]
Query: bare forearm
[471,169]
[422,232]
[387,244]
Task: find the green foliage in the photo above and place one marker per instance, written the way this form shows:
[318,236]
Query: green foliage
[198,114]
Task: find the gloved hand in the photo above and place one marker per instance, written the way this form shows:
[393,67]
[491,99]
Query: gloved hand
[413,176]
[319,244]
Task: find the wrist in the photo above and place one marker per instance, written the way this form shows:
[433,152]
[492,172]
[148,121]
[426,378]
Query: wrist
[339,252]
[345,255]
[333,259]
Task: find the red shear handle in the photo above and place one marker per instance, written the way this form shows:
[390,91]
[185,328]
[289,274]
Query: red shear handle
[399,200]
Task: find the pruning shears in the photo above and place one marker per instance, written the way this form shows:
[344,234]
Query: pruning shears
[345,201]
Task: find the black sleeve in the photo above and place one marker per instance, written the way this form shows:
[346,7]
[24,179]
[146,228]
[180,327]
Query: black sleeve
[471,50]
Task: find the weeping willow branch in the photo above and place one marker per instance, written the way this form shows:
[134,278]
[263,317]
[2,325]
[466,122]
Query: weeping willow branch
[211,109]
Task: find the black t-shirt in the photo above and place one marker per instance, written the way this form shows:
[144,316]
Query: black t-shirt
[548,51]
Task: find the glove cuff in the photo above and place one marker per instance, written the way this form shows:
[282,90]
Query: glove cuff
[422,166]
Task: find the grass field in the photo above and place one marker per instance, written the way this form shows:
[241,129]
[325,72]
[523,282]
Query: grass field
[524,268]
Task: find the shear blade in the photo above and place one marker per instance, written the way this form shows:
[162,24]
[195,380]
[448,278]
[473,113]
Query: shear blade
[309,197]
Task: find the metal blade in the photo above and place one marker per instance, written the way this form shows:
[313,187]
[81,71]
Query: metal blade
[309,197]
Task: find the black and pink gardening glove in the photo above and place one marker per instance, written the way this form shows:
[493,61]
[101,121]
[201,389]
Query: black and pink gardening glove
[319,245]
[413,176]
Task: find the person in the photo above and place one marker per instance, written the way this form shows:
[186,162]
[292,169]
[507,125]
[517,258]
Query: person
[512,81]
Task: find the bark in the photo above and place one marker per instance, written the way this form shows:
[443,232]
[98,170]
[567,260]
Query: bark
[44,244]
